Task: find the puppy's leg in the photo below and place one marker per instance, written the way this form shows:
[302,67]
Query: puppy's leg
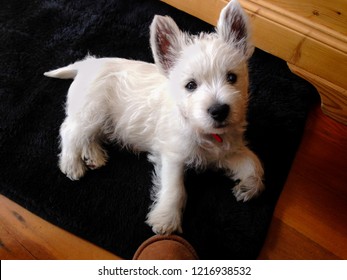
[70,161]
[166,212]
[245,167]
[80,147]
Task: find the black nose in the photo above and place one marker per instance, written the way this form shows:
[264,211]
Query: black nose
[219,112]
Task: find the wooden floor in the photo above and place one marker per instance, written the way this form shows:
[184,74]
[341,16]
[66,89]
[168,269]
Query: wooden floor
[310,221]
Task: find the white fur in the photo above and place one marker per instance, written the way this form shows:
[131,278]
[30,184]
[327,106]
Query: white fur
[147,107]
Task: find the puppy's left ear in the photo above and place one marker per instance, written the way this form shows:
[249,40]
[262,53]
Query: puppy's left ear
[166,42]
[233,27]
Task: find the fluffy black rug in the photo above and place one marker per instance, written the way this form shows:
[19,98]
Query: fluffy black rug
[108,206]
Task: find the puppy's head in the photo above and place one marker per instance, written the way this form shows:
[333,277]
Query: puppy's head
[208,75]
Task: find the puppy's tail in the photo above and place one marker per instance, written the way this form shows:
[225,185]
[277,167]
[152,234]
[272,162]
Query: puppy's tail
[68,72]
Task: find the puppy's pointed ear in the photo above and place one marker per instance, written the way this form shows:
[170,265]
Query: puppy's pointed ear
[166,42]
[233,27]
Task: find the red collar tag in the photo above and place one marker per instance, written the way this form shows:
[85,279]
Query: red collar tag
[218,138]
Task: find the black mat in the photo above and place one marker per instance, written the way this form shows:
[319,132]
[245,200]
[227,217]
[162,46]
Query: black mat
[108,206]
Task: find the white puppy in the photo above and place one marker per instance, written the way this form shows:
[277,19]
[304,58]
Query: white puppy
[186,110]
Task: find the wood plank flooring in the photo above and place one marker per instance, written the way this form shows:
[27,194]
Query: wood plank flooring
[26,236]
[310,220]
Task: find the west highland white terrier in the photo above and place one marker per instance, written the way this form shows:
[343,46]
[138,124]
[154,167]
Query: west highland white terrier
[186,110]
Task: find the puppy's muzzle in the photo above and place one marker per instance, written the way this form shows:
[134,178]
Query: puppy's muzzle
[219,112]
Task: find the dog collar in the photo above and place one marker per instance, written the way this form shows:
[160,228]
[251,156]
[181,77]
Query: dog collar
[217,137]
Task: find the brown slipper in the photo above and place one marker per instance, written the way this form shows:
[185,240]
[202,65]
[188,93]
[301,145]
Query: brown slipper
[165,247]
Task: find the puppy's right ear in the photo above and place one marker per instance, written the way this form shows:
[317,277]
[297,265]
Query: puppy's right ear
[166,42]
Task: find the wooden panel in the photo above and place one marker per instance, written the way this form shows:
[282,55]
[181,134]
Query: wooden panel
[334,101]
[312,49]
[329,14]
[206,10]
[26,236]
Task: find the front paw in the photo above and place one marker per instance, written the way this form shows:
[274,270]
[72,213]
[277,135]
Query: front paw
[72,167]
[248,188]
[164,222]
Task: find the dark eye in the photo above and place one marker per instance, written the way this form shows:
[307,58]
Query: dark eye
[191,86]
[231,78]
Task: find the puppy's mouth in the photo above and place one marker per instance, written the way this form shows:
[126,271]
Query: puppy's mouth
[218,131]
